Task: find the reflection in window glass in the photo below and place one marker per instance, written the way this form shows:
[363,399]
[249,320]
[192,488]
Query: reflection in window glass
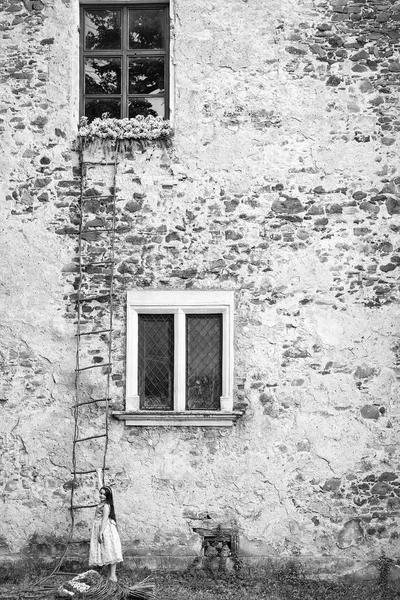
[125,55]
[146,106]
[97,107]
[102,75]
[145,29]
[102,29]
[146,75]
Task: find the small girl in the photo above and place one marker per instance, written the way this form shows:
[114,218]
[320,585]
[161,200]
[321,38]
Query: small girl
[105,543]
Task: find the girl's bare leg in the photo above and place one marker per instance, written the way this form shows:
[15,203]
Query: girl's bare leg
[112,575]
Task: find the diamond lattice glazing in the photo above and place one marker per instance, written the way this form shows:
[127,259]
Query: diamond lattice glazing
[156,362]
[203,361]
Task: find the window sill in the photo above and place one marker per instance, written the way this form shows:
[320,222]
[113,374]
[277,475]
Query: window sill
[198,418]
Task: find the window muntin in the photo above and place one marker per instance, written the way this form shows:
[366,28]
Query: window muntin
[125,61]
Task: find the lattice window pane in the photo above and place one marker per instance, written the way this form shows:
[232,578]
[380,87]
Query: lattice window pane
[203,361]
[156,362]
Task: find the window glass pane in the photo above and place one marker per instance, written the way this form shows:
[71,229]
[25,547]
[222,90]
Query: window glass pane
[96,107]
[146,75]
[156,362]
[146,29]
[102,75]
[146,106]
[203,361]
[102,29]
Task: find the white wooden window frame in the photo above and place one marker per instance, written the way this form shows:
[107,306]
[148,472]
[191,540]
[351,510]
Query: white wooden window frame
[178,303]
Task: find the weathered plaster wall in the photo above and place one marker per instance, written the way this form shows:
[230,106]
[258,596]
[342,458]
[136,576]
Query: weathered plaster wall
[281,184]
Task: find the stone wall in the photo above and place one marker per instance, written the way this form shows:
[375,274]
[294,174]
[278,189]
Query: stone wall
[282,184]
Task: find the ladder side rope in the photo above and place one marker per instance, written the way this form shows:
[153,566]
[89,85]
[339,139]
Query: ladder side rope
[78,369]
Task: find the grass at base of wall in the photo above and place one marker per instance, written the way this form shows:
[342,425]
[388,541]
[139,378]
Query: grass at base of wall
[202,585]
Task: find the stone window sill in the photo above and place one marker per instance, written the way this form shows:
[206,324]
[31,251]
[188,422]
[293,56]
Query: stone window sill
[195,418]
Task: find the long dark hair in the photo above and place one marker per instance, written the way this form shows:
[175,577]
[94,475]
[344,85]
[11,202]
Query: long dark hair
[110,501]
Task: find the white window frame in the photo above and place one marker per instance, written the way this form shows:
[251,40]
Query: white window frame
[178,303]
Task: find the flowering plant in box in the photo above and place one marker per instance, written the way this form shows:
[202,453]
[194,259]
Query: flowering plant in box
[138,128]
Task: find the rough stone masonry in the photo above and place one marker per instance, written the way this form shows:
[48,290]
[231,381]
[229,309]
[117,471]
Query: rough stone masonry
[281,183]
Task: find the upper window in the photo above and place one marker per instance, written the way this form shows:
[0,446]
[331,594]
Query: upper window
[179,357]
[124,60]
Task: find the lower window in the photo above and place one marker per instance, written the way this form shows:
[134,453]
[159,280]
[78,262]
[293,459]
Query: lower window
[179,351]
[202,365]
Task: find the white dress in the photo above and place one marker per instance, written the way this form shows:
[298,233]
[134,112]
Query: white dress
[109,551]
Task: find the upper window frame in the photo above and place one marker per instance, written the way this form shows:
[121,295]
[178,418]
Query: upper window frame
[124,52]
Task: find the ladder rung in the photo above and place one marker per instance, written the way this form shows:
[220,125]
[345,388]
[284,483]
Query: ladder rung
[95,162]
[96,264]
[78,506]
[95,230]
[94,367]
[88,472]
[92,437]
[91,298]
[98,331]
[91,402]
[87,198]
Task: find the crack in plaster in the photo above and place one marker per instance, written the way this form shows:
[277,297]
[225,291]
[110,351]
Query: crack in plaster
[327,461]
